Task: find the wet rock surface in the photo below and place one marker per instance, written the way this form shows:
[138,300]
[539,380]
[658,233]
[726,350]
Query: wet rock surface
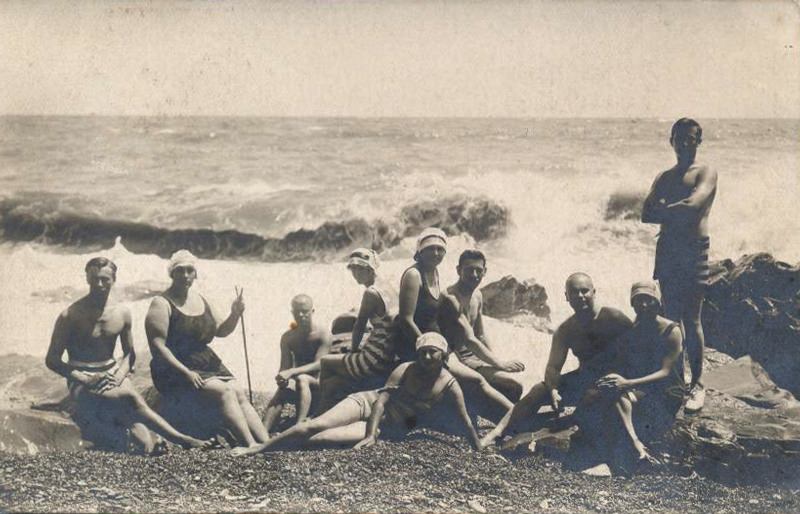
[753,308]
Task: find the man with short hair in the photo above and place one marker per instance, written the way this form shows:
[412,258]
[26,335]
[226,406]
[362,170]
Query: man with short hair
[471,270]
[302,347]
[680,201]
[589,333]
[105,398]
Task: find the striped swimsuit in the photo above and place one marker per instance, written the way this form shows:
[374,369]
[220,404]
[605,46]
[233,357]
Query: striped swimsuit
[376,356]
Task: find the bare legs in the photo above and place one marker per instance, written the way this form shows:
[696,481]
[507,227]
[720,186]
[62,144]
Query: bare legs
[236,412]
[624,408]
[685,305]
[465,374]
[305,385]
[142,417]
[503,381]
[693,334]
[342,414]
[529,404]
[332,379]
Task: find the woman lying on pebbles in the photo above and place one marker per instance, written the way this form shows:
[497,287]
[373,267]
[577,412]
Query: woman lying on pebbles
[413,389]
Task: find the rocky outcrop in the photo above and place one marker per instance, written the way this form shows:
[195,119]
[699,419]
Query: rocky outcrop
[753,308]
[748,425]
[521,302]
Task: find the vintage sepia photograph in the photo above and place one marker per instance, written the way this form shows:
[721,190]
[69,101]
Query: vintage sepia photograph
[400,256]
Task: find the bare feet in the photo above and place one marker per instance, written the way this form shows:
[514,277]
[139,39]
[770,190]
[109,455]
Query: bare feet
[241,451]
[191,443]
[645,458]
[489,439]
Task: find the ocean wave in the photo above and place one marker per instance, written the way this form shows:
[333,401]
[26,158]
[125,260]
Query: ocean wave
[480,218]
[624,205]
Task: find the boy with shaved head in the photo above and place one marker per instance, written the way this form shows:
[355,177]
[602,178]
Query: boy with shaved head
[302,347]
[589,334]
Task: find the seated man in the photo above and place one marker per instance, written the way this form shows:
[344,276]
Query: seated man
[650,380]
[107,404]
[457,330]
[302,347]
[413,391]
[589,333]
[471,269]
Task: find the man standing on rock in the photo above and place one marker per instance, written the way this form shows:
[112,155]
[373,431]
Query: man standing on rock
[589,333]
[680,201]
[106,400]
[471,270]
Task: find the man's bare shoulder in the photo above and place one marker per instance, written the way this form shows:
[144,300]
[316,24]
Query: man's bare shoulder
[118,311]
[567,328]
[289,336]
[702,171]
[318,334]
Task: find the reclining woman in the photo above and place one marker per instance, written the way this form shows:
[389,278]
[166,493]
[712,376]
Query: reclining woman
[373,358]
[650,381]
[412,391]
[180,325]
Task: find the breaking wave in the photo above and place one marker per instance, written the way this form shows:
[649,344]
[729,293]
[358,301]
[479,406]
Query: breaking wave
[480,218]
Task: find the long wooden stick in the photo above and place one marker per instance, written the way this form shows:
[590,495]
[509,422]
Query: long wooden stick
[244,341]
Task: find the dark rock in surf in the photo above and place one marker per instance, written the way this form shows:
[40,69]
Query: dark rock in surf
[753,308]
[626,205]
[508,298]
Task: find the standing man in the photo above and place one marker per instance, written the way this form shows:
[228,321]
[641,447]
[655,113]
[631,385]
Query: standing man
[98,383]
[680,201]
[302,347]
[589,333]
[471,270]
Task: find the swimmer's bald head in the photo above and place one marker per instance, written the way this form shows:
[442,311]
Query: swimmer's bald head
[580,292]
[303,302]
[578,277]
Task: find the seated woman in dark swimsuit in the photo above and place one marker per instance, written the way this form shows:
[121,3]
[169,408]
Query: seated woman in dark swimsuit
[424,307]
[420,292]
[411,392]
[180,325]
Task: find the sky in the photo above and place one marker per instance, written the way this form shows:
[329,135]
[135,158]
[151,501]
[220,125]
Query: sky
[402,58]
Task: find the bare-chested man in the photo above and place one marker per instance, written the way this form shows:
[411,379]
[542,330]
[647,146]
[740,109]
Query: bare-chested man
[302,347]
[471,270]
[88,330]
[680,201]
[589,333]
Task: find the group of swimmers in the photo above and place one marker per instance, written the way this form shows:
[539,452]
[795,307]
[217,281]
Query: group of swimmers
[411,351]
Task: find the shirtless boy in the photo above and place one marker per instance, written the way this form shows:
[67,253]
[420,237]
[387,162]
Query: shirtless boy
[88,331]
[302,347]
[471,270]
[589,333]
[680,201]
